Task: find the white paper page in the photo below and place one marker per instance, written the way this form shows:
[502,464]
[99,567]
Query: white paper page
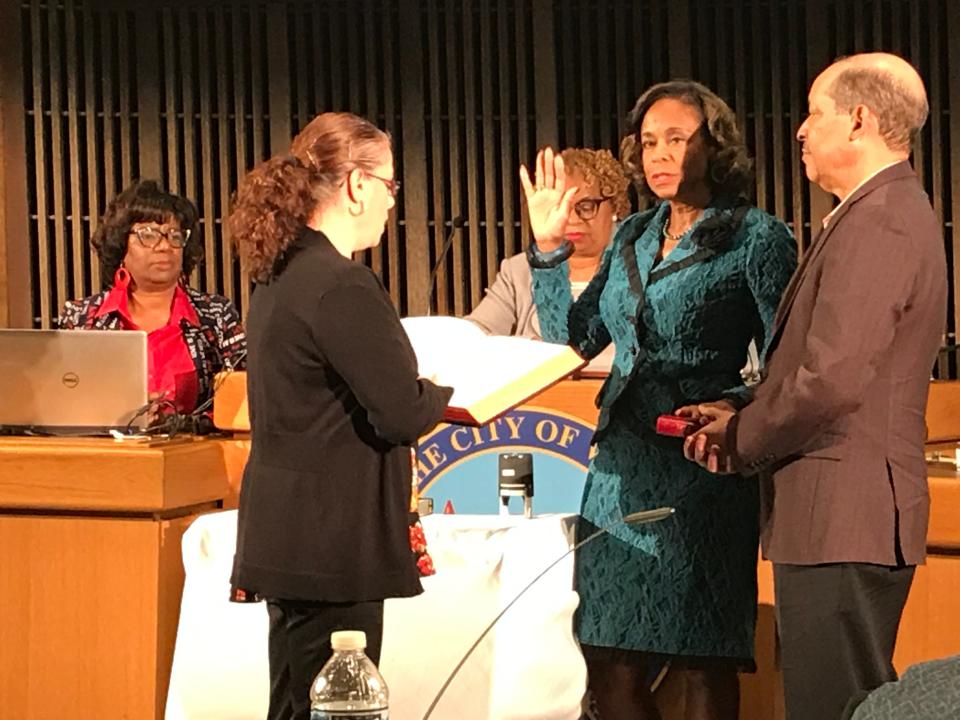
[457,353]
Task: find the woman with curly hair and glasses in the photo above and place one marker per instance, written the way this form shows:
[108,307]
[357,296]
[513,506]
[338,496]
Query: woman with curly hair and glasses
[335,403]
[600,201]
[148,245]
[682,290]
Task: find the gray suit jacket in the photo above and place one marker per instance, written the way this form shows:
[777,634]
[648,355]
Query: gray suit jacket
[836,428]
[508,308]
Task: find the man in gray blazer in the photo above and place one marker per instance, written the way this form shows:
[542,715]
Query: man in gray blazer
[836,428]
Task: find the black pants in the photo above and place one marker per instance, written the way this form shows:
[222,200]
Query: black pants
[299,646]
[837,625]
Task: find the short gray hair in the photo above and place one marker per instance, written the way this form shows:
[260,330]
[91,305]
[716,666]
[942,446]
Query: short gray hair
[900,112]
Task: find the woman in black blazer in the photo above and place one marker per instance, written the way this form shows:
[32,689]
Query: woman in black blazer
[335,403]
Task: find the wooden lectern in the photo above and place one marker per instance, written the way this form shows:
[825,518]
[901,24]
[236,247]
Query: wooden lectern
[90,572]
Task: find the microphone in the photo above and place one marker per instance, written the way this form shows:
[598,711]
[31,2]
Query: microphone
[458,222]
[636,518]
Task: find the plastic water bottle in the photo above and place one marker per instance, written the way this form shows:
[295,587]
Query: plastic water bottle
[349,686]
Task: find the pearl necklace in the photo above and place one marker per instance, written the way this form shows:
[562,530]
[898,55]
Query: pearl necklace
[673,238]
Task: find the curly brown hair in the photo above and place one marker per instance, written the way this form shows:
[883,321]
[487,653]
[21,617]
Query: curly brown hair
[729,168]
[601,168]
[276,198]
[143,201]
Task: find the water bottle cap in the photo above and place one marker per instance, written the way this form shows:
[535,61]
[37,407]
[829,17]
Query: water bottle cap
[348,640]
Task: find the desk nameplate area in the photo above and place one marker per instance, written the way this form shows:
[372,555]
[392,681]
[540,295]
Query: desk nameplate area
[101,474]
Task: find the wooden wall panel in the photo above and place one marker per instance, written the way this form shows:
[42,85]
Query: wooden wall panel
[471,233]
[4,287]
[482,123]
[945,152]
[4,241]
[15,270]
[412,166]
[41,149]
[195,93]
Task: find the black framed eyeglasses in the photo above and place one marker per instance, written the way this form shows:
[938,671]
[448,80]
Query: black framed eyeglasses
[149,236]
[392,184]
[587,208]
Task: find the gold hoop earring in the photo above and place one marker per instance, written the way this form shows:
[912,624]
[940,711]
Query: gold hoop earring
[357,212]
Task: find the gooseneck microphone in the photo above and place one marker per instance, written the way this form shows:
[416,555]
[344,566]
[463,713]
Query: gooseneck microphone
[458,222]
[636,518]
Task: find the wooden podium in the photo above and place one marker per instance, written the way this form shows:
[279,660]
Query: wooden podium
[230,412]
[90,572]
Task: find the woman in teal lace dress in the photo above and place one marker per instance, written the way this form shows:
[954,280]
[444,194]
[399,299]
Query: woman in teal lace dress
[682,290]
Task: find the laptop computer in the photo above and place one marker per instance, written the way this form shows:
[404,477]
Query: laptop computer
[72,381]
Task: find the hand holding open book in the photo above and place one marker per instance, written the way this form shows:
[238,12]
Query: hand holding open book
[489,374]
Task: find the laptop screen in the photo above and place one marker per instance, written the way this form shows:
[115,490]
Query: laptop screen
[72,380]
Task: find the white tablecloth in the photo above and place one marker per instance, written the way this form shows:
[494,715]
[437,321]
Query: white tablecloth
[528,667]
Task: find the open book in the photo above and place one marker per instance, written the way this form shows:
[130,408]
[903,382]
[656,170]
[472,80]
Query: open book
[489,374]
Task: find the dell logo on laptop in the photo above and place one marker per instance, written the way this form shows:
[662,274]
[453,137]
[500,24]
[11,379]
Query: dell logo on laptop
[70,379]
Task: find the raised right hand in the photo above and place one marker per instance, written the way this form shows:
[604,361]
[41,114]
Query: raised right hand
[549,200]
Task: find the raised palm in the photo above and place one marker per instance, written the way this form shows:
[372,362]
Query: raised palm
[549,200]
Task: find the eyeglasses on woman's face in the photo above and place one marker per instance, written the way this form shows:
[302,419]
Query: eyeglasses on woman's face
[392,184]
[587,208]
[149,236]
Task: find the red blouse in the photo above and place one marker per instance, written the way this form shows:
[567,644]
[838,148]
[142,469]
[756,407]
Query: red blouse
[170,367]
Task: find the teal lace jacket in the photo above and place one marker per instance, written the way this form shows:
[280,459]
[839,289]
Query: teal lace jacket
[684,337]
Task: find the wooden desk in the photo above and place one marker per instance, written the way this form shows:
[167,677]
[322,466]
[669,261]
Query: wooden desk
[91,575]
[931,620]
[943,411]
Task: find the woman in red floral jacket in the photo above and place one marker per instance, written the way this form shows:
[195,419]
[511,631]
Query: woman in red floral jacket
[148,245]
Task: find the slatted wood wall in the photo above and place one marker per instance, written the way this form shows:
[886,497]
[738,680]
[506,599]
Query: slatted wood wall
[94,94]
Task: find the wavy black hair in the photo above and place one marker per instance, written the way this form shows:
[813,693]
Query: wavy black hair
[143,201]
[729,169]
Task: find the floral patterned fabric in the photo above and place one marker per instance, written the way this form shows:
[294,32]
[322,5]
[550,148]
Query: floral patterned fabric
[217,342]
[684,586]
[418,540]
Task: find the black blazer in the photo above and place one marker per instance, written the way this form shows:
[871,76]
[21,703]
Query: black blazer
[335,403]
